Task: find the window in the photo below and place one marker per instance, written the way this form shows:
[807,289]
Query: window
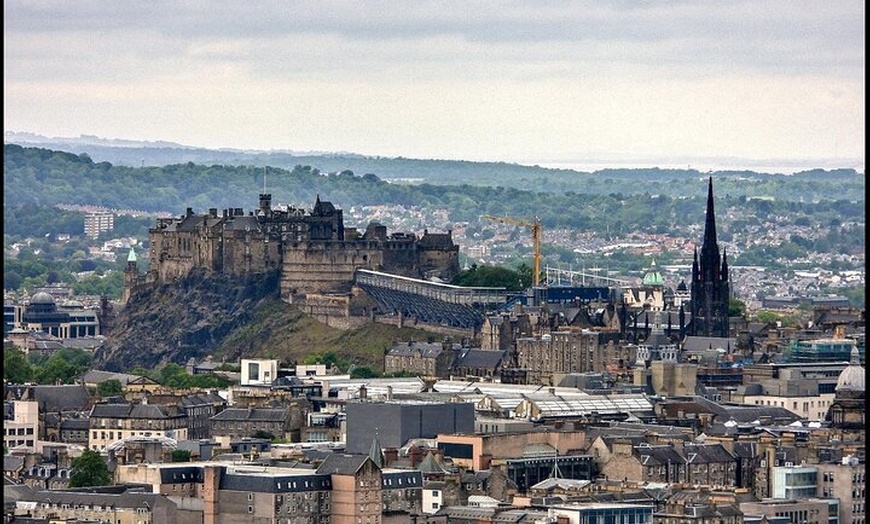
[250,509]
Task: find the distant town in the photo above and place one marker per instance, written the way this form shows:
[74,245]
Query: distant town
[693,392]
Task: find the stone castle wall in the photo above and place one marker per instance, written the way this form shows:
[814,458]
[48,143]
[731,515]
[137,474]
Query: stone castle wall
[309,249]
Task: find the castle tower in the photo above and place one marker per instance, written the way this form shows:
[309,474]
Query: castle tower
[131,274]
[711,289]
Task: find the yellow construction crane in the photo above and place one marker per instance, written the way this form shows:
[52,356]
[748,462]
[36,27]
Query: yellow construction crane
[536,236]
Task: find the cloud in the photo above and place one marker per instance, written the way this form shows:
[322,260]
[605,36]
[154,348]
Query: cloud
[491,78]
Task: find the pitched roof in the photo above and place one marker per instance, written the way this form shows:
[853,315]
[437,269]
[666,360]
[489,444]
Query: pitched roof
[74,397]
[258,414]
[413,348]
[342,464]
[658,455]
[706,454]
[479,358]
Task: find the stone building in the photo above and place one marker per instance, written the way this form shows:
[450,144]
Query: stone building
[847,411]
[426,359]
[117,505]
[711,287]
[343,489]
[645,463]
[549,357]
[236,423]
[311,251]
[113,422]
[846,482]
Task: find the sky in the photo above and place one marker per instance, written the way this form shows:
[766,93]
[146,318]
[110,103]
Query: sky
[701,84]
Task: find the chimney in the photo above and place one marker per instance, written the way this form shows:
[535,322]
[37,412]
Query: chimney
[210,493]
[391,455]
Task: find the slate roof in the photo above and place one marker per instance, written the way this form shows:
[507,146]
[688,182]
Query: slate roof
[430,464]
[12,463]
[200,399]
[126,499]
[74,397]
[746,414]
[479,358]
[413,348]
[253,414]
[706,454]
[658,455]
[74,424]
[137,411]
[342,464]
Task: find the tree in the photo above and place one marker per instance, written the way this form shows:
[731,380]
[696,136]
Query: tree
[110,388]
[263,435]
[766,316]
[363,372]
[16,368]
[736,307]
[180,455]
[89,469]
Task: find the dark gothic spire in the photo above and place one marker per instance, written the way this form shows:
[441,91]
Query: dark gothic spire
[724,264]
[695,269]
[710,223]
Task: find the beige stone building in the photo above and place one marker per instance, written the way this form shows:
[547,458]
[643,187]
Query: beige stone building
[117,508]
[846,482]
[806,511]
[548,357]
[425,359]
[479,451]
[343,489]
[113,422]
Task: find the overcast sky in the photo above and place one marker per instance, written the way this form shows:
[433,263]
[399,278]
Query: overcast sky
[536,82]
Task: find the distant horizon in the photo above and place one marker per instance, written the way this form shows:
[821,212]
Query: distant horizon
[586,165]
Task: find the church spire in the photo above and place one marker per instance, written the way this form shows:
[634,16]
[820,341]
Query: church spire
[376,453]
[710,223]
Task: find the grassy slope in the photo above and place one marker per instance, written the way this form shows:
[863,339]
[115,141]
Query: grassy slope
[280,330]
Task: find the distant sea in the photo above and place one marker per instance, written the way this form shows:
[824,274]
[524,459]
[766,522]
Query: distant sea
[783,167]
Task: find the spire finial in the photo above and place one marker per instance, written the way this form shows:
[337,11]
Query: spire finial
[710,223]
[854,356]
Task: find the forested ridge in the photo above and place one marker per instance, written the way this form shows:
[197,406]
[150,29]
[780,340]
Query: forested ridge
[623,200]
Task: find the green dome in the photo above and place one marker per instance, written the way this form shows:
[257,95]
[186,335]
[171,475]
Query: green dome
[653,277]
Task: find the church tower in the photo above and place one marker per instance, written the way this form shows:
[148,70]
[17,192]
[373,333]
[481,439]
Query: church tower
[711,289]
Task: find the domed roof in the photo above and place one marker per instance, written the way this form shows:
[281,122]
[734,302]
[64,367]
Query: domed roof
[653,277]
[852,378]
[42,298]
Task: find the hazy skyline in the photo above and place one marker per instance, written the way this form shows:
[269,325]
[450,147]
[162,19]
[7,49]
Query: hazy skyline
[707,84]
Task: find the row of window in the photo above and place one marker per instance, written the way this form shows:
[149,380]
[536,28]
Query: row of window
[19,431]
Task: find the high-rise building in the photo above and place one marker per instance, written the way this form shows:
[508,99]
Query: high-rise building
[711,289]
[96,223]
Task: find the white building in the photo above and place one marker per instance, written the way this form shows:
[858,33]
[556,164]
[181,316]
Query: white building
[259,372]
[23,428]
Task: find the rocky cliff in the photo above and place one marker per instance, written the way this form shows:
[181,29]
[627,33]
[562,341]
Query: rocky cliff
[228,317]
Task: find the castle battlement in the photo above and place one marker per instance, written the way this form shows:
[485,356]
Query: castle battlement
[309,249]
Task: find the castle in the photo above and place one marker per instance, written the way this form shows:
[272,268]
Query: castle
[312,252]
